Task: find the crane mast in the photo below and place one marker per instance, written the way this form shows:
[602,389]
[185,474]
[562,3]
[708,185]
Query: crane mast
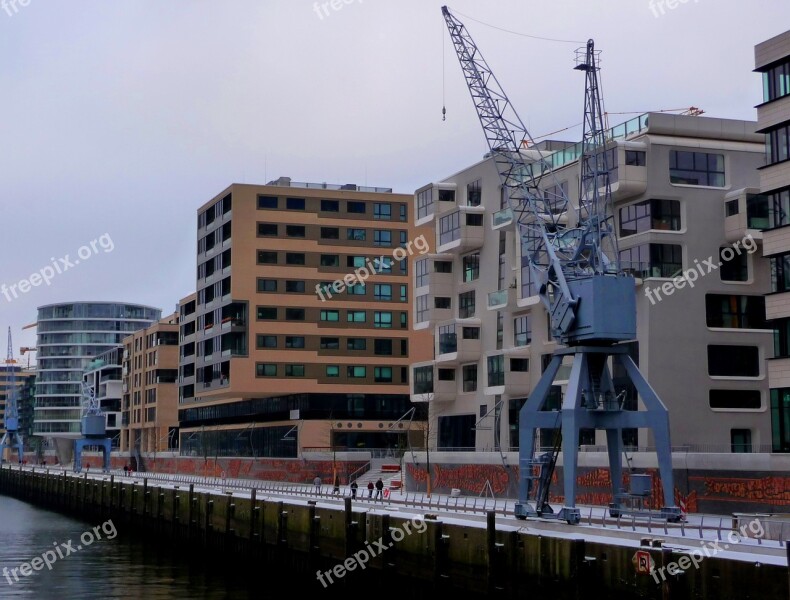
[575,269]
[11,438]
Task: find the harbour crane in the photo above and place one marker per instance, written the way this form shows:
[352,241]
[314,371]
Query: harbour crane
[11,438]
[591,302]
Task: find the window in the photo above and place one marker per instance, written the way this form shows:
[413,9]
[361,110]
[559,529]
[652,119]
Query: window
[474,219]
[265,341]
[781,337]
[382,374]
[450,228]
[473,193]
[496,370]
[734,311]
[294,287]
[356,344]
[471,333]
[522,334]
[356,207]
[448,339]
[779,208]
[731,208]
[466,305]
[266,313]
[734,265]
[519,365]
[355,316]
[267,285]
[500,330]
[332,371]
[652,260]
[354,372]
[330,233]
[267,258]
[267,202]
[294,203]
[696,168]
[635,158]
[421,309]
[780,419]
[446,195]
[382,211]
[441,302]
[355,262]
[423,380]
[446,375]
[457,432]
[662,215]
[776,82]
[404,347]
[404,293]
[294,341]
[471,267]
[382,237]
[735,399]
[296,231]
[421,267]
[741,440]
[357,235]
[733,361]
[403,209]
[267,229]
[404,320]
[294,258]
[330,315]
[382,319]
[469,373]
[330,343]
[443,266]
[758,211]
[265,370]
[425,203]
[330,260]
[356,289]
[382,347]
[294,314]
[382,264]
[382,291]
[777,144]
[294,370]
[780,273]
[330,206]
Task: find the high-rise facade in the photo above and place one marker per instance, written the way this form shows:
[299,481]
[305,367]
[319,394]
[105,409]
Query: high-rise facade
[689,216]
[299,334]
[772,61]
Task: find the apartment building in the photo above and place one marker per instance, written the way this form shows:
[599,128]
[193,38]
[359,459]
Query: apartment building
[301,335]
[150,389]
[685,191]
[772,61]
[103,376]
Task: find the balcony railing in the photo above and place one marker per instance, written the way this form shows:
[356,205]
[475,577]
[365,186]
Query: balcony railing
[502,218]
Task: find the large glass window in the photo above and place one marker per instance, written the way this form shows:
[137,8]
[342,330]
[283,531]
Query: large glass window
[474,193]
[294,203]
[776,82]
[650,214]
[421,267]
[266,257]
[356,372]
[294,341]
[265,370]
[733,361]
[780,419]
[356,207]
[423,380]
[382,374]
[382,319]
[267,229]
[522,334]
[496,370]
[266,313]
[777,144]
[330,206]
[735,399]
[330,233]
[734,311]
[267,202]
[382,237]
[330,260]
[448,340]
[382,211]
[779,208]
[471,266]
[355,316]
[466,305]
[382,347]
[469,373]
[356,235]
[330,315]
[294,287]
[652,260]
[450,228]
[696,168]
[294,258]
[457,431]
[267,285]
[734,264]
[780,273]
[382,292]
[425,203]
[781,338]
[422,307]
[356,344]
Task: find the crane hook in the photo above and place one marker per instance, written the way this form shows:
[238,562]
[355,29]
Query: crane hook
[444,113]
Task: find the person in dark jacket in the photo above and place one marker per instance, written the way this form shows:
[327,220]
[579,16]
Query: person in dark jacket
[370,489]
[354,488]
[379,488]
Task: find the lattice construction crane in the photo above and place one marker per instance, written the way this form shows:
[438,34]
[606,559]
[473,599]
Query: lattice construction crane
[11,438]
[591,302]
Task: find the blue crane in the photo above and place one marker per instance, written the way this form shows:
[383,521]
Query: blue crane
[574,268]
[11,438]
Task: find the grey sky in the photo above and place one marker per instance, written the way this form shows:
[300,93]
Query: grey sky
[122,117]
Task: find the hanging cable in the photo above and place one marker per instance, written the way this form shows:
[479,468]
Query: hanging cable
[444,73]
[533,37]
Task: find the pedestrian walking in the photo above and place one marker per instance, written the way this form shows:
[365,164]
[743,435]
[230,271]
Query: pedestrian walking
[379,488]
[354,487]
[370,489]
[317,484]
[336,485]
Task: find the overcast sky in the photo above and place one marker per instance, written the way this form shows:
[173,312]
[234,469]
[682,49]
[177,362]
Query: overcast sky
[121,117]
